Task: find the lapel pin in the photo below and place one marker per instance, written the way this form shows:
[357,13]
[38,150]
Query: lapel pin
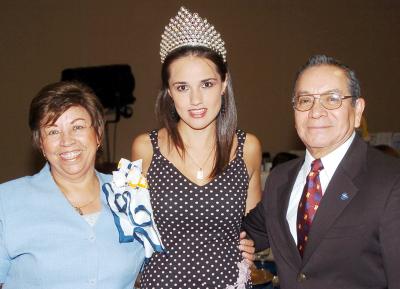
[344,196]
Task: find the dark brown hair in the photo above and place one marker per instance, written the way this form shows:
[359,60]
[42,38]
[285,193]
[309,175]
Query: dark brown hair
[227,117]
[56,98]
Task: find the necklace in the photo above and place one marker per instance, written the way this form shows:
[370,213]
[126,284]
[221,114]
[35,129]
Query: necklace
[199,172]
[78,209]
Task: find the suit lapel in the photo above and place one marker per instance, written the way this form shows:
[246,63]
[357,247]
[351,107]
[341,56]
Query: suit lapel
[283,196]
[339,193]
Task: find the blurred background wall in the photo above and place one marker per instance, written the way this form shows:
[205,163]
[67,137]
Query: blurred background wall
[267,40]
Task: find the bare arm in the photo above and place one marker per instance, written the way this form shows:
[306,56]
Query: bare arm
[142,149]
[252,157]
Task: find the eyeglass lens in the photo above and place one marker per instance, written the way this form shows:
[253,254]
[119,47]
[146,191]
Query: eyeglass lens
[327,100]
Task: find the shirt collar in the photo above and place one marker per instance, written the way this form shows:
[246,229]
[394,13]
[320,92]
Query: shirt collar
[331,160]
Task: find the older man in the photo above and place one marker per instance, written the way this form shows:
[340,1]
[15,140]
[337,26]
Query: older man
[332,218]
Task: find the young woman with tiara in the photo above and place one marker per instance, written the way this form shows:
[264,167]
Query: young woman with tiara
[203,173]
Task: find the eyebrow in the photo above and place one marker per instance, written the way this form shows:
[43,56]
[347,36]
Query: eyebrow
[72,122]
[179,82]
[201,81]
[77,119]
[208,79]
[305,92]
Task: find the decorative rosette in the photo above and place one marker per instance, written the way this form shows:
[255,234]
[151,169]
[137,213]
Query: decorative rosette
[243,277]
[129,200]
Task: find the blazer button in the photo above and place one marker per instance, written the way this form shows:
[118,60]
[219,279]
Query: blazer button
[301,277]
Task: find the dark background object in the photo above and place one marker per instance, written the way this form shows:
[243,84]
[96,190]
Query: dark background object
[388,150]
[113,84]
[282,157]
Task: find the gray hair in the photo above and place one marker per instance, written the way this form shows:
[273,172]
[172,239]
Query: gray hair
[321,59]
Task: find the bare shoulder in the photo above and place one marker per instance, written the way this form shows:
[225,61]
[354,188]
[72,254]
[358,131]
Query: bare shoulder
[142,149]
[141,146]
[252,146]
[252,152]
[252,157]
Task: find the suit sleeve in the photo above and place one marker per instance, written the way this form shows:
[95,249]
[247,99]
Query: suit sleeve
[390,237]
[255,226]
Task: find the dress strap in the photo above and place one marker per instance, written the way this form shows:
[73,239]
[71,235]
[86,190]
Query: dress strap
[154,140]
[241,136]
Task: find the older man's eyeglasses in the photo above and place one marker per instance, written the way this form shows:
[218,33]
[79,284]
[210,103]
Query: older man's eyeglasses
[331,100]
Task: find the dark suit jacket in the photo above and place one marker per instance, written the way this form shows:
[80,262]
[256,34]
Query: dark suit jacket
[354,240]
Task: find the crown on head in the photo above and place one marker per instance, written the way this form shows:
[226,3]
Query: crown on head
[189,29]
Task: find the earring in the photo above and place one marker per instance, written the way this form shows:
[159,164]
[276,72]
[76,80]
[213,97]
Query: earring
[174,114]
[222,110]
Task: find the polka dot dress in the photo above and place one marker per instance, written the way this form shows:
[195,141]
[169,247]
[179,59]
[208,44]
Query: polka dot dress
[199,225]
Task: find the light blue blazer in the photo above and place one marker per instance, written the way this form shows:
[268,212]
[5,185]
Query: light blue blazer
[45,243]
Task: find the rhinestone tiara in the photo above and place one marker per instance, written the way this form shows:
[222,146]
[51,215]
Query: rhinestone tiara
[189,29]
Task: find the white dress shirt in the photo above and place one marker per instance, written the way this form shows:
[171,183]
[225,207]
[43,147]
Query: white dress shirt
[330,163]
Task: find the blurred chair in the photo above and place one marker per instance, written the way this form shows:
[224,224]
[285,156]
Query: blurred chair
[388,150]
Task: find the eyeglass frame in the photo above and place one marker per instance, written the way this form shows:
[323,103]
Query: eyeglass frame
[318,96]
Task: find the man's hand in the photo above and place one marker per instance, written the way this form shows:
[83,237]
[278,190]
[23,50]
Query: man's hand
[247,248]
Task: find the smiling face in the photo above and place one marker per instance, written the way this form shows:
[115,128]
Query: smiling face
[70,144]
[322,130]
[196,88]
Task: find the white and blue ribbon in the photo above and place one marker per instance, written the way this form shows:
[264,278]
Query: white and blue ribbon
[129,200]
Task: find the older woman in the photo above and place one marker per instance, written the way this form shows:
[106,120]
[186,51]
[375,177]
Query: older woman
[56,230]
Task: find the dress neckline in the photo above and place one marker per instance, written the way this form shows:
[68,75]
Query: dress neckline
[189,180]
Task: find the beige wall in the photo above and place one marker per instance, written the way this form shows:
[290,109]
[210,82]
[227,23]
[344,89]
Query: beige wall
[267,41]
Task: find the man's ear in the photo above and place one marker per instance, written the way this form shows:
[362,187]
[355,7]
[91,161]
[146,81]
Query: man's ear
[359,109]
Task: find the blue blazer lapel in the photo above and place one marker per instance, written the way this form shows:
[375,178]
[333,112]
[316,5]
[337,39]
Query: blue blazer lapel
[341,190]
